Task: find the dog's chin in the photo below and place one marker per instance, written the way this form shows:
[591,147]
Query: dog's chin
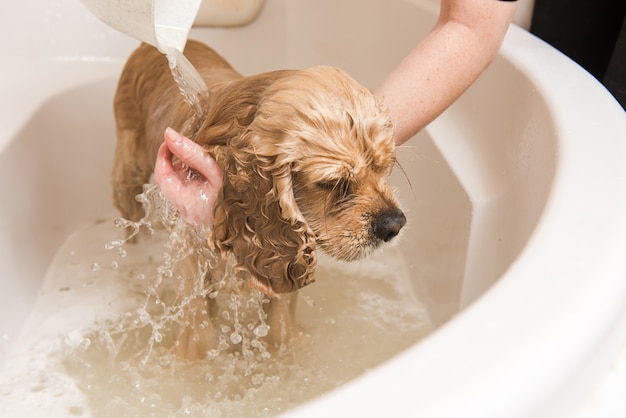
[350,253]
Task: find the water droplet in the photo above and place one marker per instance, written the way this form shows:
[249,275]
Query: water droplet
[143,315]
[235,338]
[165,360]
[154,400]
[95,267]
[309,300]
[262,330]
[85,343]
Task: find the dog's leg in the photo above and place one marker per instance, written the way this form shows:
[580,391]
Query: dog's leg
[131,170]
[197,334]
[281,318]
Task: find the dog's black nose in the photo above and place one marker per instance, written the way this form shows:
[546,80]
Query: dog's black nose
[388,224]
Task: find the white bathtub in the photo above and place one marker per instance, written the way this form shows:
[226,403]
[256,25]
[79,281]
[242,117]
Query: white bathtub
[517,213]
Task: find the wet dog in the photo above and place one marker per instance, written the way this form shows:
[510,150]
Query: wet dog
[306,155]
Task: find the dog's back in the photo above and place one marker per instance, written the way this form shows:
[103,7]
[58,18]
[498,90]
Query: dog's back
[146,102]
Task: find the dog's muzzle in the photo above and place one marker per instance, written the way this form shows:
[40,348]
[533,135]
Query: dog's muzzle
[388,224]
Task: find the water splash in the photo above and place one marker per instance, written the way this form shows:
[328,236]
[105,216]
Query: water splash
[88,339]
[104,337]
[241,318]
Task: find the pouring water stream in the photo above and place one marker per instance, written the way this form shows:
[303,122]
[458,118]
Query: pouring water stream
[164,24]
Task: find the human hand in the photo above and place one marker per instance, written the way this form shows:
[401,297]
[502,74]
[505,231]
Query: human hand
[193,182]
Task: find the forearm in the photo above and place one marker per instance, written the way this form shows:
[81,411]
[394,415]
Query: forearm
[464,42]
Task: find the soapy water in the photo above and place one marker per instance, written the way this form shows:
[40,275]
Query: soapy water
[100,339]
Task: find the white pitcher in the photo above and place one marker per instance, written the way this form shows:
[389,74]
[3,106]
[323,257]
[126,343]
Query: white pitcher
[165,24]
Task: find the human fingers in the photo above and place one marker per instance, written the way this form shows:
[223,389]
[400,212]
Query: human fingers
[164,172]
[194,156]
[168,179]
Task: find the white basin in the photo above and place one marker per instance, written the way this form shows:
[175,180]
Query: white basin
[516,205]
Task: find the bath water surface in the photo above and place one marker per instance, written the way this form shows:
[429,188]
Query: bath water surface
[99,342]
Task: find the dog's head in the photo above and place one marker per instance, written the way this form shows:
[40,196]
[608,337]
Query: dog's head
[306,155]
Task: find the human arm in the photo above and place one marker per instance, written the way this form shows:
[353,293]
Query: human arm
[465,40]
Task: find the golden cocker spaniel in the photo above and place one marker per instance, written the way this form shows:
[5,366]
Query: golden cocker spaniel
[305,154]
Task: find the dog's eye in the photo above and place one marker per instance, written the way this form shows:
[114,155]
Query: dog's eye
[340,187]
[326,185]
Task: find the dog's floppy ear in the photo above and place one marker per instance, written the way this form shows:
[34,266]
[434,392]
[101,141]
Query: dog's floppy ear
[258,221]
